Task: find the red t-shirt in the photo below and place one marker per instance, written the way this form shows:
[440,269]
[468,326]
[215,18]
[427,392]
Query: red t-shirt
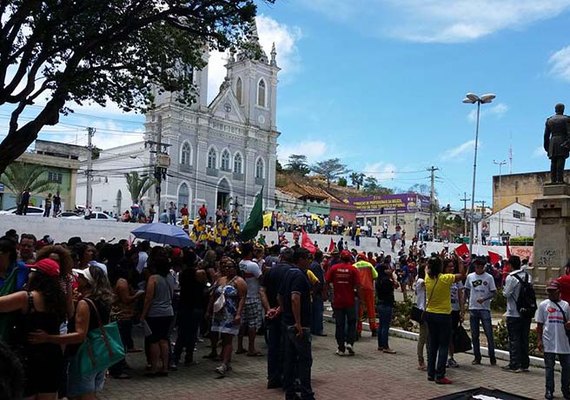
[564,285]
[344,278]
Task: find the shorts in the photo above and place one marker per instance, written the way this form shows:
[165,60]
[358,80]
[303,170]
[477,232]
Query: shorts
[252,313]
[160,328]
[78,385]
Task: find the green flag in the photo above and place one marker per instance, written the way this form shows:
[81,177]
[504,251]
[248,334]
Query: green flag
[255,222]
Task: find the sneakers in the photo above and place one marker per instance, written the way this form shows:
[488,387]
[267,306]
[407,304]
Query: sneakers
[173,366]
[350,349]
[548,395]
[451,363]
[223,369]
[513,370]
[389,351]
[476,362]
[340,352]
[493,362]
[443,381]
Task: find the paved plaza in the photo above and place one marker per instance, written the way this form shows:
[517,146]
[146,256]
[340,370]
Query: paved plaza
[368,375]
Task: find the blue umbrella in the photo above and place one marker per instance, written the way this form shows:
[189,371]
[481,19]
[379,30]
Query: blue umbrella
[164,234]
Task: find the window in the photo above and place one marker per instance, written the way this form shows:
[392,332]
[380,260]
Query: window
[261,93]
[55,177]
[212,159]
[237,163]
[239,90]
[259,168]
[185,154]
[518,215]
[226,161]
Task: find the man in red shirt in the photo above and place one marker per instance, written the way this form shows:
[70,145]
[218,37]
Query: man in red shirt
[344,279]
[564,283]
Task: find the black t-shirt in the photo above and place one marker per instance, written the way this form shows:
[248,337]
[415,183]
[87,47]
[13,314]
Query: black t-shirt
[384,290]
[271,281]
[191,291]
[296,281]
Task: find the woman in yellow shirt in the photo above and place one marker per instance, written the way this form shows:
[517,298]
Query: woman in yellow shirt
[438,316]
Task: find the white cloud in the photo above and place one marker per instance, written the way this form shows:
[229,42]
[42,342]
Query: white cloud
[315,150]
[560,64]
[539,152]
[458,151]
[381,171]
[270,31]
[497,111]
[440,21]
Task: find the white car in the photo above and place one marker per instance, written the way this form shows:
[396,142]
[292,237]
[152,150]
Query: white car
[32,211]
[94,216]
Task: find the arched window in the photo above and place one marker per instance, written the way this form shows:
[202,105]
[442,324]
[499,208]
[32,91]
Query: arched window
[261,93]
[226,161]
[183,195]
[212,159]
[237,163]
[259,168]
[239,90]
[185,154]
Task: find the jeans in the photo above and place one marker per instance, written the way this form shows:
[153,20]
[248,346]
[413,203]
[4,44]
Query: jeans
[549,360]
[422,340]
[485,317]
[172,219]
[357,241]
[298,361]
[518,329]
[439,328]
[317,315]
[188,322]
[125,331]
[345,320]
[384,318]
[275,349]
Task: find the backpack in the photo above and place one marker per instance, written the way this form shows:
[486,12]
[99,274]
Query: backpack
[526,302]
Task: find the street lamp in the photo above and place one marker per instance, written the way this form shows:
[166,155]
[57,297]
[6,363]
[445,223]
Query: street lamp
[500,164]
[471,98]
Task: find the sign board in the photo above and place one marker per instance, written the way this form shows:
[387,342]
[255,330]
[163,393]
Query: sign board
[391,203]
[163,160]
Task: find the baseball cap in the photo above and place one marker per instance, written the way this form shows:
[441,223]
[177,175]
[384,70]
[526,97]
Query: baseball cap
[46,266]
[345,255]
[84,273]
[553,285]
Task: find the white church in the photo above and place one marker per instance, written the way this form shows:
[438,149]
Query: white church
[221,154]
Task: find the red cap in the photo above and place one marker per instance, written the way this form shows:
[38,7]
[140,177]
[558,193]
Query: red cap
[362,256]
[176,252]
[46,266]
[345,255]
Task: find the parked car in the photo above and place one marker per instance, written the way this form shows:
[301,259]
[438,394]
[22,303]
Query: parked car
[32,211]
[100,216]
[68,214]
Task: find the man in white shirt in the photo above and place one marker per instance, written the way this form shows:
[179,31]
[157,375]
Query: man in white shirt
[481,289]
[518,326]
[552,324]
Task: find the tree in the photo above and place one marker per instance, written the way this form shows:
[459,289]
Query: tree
[138,185]
[421,188]
[21,176]
[342,182]
[59,52]
[371,184]
[297,164]
[330,169]
[357,179]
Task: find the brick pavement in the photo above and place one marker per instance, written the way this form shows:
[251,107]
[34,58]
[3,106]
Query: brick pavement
[368,375]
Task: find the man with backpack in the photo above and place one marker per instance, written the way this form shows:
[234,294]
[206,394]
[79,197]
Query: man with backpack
[521,307]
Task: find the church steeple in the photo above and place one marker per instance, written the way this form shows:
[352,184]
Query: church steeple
[251,49]
[273,55]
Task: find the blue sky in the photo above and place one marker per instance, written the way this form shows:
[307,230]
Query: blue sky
[379,84]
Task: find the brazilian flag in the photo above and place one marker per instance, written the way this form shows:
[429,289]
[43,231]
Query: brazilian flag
[255,222]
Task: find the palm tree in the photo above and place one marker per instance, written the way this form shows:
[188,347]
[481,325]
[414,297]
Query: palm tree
[138,185]
[21,176]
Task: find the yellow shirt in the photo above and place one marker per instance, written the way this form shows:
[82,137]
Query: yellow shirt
[312,277]
[439,298]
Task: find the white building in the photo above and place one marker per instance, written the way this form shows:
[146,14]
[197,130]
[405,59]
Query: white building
[221,154]
[514,219]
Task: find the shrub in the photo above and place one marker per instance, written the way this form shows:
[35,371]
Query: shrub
[499,303]
[501,335]
[402,312]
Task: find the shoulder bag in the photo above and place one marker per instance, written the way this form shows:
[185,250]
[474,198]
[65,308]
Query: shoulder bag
[101,349]
[417,314]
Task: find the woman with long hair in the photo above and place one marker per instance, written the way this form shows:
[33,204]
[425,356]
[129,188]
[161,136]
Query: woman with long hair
[157,310]
[226,315]
[438,316]
[93,309]
[63,257]
[41,307]
[420,290]
[457,307]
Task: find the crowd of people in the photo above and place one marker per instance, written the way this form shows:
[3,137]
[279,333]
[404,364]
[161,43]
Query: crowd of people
[53,295]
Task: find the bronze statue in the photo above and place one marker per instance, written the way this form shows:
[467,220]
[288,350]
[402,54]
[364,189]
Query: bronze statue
[556,142]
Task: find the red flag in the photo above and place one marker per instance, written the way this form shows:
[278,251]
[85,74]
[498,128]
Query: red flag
[494,257]
[508,249]
[462,250]
[331,246]
[307,243]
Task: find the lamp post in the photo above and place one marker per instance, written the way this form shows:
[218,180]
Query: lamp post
[500,164]
[471,98]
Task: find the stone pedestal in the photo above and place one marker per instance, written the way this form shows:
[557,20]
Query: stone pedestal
[552,234]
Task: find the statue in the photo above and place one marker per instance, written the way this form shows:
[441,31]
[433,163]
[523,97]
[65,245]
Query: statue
[556,142]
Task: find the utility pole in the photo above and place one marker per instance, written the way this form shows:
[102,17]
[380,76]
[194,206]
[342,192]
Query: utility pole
[89,171]
[500,164]
[465,200]
[432,170]
[482,202]
[161,160]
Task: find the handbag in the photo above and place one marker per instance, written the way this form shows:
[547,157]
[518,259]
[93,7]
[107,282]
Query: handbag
[101,349]
[461,340]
